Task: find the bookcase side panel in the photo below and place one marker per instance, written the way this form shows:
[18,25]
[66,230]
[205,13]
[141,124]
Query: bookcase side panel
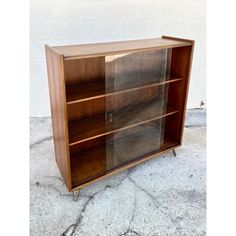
[58,112]
[181,65]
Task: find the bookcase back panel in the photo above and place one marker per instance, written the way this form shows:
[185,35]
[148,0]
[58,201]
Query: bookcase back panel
[86,109]
[81,147]
[119,101]
[84,70]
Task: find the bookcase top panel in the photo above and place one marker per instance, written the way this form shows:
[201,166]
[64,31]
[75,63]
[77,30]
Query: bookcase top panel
[116,47]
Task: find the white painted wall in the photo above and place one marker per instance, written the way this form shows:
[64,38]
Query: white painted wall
[59,22]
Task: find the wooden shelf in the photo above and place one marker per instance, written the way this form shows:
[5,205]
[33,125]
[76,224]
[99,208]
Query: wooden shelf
[97,126]
[99,88]
[134,145]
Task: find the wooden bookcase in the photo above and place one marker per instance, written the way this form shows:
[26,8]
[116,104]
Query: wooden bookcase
[115,105]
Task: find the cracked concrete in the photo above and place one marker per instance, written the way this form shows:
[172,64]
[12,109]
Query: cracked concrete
[165,196]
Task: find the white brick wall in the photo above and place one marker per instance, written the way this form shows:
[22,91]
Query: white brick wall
[58,22]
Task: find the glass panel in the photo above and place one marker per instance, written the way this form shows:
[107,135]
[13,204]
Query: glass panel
[125,146]
[134,114]
[132,70]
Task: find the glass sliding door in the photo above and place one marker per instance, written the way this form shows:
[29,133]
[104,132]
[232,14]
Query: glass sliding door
[136,104]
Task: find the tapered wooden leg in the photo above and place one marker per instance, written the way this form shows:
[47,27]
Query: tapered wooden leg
[174,152]
[75,195]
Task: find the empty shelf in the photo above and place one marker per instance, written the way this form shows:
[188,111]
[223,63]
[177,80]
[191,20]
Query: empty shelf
[101,88]
[102,159]
[97,126]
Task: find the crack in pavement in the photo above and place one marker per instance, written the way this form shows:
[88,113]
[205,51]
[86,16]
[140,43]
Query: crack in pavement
[51,187]
[167,212]
[38,184]
[56,177]
[40,141]
[154,199]
[71,227]
[129,230]
[75,226]
[194,126]
[156,203]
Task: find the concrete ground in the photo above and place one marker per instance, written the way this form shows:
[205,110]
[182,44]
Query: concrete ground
[165,196]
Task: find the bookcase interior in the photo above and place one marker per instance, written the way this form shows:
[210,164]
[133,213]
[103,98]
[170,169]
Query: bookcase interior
[121,108]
